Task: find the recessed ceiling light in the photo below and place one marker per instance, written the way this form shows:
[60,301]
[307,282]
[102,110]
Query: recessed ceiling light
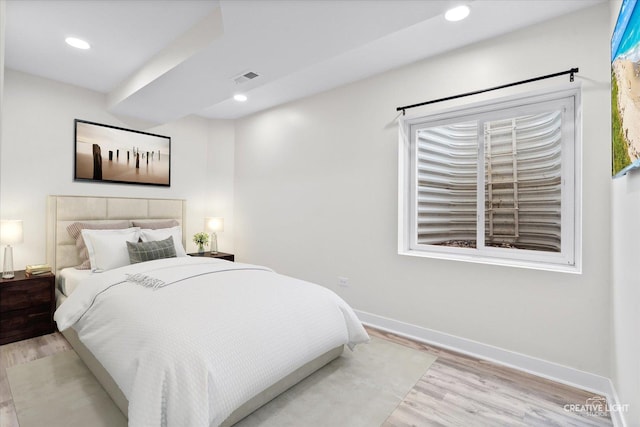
[457,13]
[240,97]
[77,43]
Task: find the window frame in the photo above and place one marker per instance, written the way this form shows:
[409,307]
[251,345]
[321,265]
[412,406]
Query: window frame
[569,259]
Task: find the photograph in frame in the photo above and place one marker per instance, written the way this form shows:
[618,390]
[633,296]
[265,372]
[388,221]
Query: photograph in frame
[112,154]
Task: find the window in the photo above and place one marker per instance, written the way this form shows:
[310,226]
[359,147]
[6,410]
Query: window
[496,182]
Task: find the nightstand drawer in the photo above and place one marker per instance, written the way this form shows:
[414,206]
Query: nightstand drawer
[22,324]
[36,292]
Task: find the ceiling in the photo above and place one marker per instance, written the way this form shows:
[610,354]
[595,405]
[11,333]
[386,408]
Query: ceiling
[160,60]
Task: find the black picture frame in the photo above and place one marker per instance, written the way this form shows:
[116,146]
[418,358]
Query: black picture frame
[111,154]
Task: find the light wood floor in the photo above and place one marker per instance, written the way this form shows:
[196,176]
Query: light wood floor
[457,390]
[460,390]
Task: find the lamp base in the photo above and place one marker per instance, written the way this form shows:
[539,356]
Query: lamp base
[214,243]
[7,268]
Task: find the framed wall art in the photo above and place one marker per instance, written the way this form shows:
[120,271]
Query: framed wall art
[625,90]
[112,154]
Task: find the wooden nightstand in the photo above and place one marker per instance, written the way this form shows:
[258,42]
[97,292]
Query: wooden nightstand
[221,255]
[26,306]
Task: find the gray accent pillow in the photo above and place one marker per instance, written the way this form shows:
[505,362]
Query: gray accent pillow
[148,251]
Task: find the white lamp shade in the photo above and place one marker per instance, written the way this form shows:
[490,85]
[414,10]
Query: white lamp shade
[11,232]
[213,224]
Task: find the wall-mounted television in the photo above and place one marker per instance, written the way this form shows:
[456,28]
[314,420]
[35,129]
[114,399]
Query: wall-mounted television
[112,154]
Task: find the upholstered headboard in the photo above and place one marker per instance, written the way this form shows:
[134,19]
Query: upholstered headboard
[65,210]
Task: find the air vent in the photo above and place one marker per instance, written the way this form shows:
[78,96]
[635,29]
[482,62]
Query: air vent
[243,78]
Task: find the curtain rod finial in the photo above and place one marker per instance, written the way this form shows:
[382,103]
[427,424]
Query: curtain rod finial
[572,73]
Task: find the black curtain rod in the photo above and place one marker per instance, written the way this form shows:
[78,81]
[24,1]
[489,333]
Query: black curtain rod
[571,72]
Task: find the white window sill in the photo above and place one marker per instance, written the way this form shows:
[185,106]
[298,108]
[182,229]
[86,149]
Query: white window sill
[535,265]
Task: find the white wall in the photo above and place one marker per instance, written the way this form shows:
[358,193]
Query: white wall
[2,49]
[316,198]
[38,159]
[625,234]
[626,293]
[219,181]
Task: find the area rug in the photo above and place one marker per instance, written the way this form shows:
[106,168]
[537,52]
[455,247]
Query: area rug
[358,389]
[60,391]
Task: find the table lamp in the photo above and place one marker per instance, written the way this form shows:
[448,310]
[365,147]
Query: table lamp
[10,234]
[211,225]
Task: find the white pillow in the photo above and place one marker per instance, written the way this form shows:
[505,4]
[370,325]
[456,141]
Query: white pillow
[149,235]
[108,248]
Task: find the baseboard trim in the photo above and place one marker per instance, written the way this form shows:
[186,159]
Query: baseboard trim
[533,365]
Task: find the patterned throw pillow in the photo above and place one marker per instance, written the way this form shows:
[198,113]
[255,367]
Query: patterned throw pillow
[148,251]
[75,231]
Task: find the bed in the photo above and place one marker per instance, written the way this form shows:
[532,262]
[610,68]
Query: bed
[210,311]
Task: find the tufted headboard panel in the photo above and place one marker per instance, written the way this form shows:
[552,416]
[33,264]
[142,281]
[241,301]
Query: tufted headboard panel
[65,210]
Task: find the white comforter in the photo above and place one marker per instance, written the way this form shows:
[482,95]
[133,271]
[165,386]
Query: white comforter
[218,333]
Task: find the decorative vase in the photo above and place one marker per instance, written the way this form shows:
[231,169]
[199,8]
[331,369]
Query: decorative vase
[200,248]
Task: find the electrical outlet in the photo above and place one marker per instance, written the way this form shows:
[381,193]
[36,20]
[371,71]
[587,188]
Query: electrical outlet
[343,282]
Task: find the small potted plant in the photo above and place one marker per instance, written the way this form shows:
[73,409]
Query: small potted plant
[201,239]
